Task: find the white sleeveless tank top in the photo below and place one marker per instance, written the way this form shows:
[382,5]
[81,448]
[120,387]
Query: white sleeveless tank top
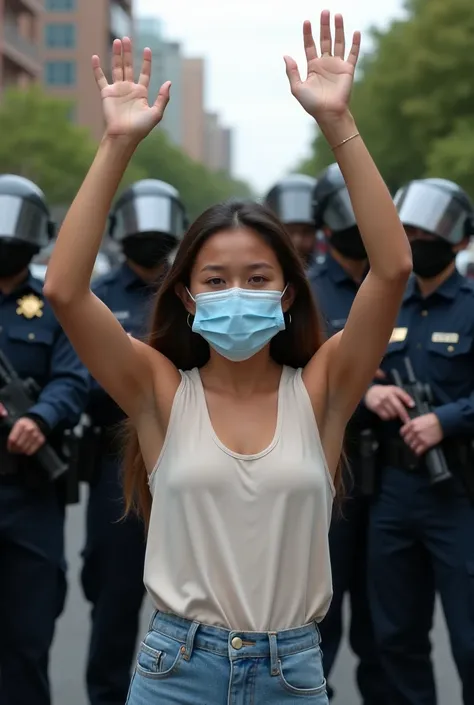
[241,541]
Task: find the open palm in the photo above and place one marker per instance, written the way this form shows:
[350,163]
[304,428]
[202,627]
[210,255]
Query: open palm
[125,103]
[326,91]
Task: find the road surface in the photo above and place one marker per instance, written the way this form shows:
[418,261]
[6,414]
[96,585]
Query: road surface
[68,657]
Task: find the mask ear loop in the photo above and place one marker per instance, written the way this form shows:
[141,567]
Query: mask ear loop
[282,295]
[189,315]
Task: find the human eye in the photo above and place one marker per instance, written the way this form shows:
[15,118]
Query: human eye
[258,279]
[215,281]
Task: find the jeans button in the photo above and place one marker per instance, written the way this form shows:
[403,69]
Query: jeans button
[237,642]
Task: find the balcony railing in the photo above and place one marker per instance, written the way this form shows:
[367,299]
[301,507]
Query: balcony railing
[13,38]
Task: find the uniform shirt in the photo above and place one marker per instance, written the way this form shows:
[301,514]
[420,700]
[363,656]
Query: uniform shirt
[129,298]
[334,291]
[437,335]
[37,348]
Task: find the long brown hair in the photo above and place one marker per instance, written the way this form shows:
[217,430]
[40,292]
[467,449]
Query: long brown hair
[173,337]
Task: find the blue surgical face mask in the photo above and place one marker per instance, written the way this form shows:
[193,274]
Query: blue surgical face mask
[238,323]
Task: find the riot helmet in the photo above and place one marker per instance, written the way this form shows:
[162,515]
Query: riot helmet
[25,223]
[333,212]
[24,214]
[437,206]
[291,199]
[438,215]
[148,220]
[332,205]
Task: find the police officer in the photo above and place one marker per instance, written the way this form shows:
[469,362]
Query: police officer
[335,283]
[422,524]
[148,221]
[32,345]
[291,199]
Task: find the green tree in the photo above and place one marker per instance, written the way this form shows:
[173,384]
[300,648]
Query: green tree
[199,188]
[414,98]
[40,142]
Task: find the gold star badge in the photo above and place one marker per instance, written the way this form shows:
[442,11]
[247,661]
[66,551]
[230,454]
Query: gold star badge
[30,306]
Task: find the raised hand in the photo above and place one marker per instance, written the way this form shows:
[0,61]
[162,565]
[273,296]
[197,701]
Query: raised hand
[125,103]
[326,91]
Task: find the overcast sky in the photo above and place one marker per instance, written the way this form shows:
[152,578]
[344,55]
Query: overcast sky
[243,42]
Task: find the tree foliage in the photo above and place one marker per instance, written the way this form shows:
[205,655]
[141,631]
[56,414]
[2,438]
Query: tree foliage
[40,142]
[414,99]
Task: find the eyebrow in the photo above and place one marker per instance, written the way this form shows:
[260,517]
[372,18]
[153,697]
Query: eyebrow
[220,267]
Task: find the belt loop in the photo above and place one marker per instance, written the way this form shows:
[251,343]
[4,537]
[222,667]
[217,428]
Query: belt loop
[275,669]
[152,621]
[190,640]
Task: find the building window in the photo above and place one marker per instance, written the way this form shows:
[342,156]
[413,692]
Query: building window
[60,36]
[60,5]
[60,73]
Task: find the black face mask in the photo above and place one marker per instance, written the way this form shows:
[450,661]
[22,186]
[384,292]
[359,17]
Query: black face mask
[349,243]
[431,257]
[14,257]
[148,251]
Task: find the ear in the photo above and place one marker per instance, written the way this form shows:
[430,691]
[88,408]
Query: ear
[288,298]
[182,293]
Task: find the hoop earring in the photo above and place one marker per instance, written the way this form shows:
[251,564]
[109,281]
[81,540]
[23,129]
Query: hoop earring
[188,321]
[289,319]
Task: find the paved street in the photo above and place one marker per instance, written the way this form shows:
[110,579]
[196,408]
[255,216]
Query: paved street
[70,646]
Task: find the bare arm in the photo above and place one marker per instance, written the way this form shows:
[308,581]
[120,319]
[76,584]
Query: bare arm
[355,354]
[123,366]
[349,360]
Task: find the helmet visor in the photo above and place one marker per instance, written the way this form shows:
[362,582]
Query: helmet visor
[144,214]
[22,220]
[431,209]
[339,214]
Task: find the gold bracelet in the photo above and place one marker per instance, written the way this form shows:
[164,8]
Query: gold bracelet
[348,139]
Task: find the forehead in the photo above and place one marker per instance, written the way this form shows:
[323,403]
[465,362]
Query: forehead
[235,247]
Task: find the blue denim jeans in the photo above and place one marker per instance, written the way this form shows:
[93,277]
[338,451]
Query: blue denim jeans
[188,663]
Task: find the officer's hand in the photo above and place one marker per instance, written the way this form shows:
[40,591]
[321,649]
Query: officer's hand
[389,402]
[25,437]
[422,433]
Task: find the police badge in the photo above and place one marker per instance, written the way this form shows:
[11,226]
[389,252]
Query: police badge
[30,306]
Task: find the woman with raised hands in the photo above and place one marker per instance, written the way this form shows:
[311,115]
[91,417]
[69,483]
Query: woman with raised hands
[237,405]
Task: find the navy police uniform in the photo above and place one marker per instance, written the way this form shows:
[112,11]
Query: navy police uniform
[32,561]
[421,532]
[334,291]
[148,221]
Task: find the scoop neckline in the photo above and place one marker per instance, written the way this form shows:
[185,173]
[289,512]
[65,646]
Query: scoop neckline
[215,437]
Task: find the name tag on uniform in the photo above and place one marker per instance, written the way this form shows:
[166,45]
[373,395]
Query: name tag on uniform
[121,315]
[445,338]
[398,335]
